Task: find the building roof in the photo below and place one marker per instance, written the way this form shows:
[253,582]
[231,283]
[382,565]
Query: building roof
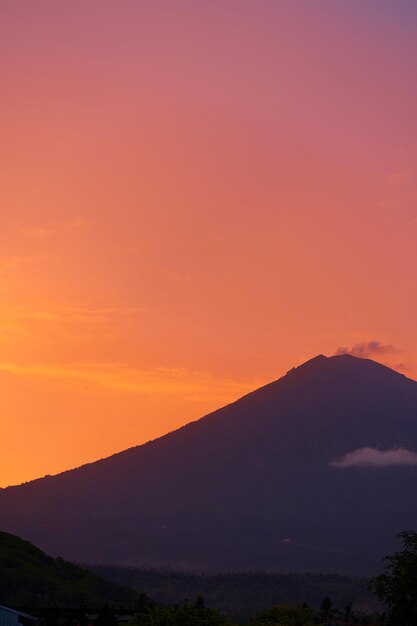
[9,610]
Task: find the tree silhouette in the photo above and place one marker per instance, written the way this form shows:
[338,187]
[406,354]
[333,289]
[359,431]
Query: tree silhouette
[200,602]
[326,607]
[348,611]
[105,617]
[284,615]
[397,586]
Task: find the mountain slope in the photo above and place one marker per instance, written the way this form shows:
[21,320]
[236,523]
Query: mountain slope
[28,577]
[250,486]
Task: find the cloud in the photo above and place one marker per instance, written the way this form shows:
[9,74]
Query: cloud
[366,349]
[120,377]
[403,367]
[63,324]
[67,315]
[10,263]
[46,232]
[39,232]
[372,457]
[400,177]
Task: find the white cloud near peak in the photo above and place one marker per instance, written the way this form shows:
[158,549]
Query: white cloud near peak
[372,457]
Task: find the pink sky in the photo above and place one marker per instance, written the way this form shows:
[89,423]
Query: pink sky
[195,197]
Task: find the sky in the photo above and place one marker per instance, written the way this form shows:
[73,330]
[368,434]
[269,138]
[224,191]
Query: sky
[195,196]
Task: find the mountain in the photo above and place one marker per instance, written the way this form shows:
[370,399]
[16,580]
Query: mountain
[255,485]
[28,577]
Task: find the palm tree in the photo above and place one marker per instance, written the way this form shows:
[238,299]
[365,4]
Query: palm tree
[326,607]
[348,611]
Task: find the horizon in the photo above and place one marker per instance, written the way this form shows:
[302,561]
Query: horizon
[194,199]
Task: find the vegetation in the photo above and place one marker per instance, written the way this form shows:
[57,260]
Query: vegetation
[187,614]
[243,594]
[28,577]
[196,614]
[326,607]
[397,586]
[285,616]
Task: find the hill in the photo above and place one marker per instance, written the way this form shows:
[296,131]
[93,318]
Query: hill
[313,472]
[29,577]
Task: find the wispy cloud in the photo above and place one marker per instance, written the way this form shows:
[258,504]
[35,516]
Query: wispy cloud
[175,277]
[39,232]
[400,177]
[46,231]
[66,322]
[366,349]
[9,263]
[372,457]
[119,377]
[70,313]
[403,367]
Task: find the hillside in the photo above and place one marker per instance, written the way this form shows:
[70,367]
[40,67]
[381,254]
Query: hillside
[29,577]
[256,485]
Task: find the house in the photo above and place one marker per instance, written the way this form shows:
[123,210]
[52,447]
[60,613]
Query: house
[10,617]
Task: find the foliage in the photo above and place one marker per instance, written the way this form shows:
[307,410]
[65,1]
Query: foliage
[397,586]
[243,594]
[188,614]
[106,617]
[348,611]
[284,615]
[29,577]
[326,607]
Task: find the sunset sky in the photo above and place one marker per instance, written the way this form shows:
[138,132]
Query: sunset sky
[195,196]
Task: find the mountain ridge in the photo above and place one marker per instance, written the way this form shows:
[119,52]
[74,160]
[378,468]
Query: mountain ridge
[228,490]
[307,367]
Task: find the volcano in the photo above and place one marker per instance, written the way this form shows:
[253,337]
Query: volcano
[313,472]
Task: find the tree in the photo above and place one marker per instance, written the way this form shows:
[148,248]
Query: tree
[397,586]
[200,602]
[326,607]
[284,615]
[348,611]
[106,617]
[187,614]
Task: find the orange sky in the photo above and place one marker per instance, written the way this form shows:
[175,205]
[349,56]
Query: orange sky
[195,197]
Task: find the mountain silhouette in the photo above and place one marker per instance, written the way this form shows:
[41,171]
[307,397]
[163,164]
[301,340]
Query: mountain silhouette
[273,481]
